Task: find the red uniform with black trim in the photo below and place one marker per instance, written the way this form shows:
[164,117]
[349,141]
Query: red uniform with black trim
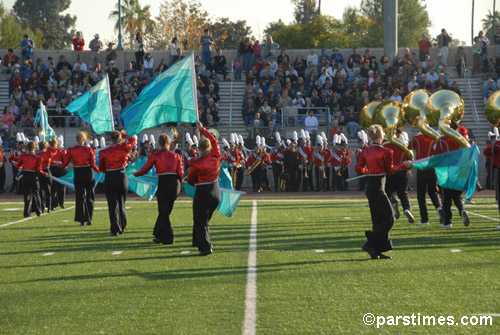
[30,162]
[116,156]
[398,155]
[57,155]
[46,157]
[3,159]
[492,152]
[14,156]
[81,155]
[375,159]
[445,144]
[422,145]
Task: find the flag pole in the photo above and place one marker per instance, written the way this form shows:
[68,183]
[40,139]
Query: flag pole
[110,104]
[193,86]
[42,121]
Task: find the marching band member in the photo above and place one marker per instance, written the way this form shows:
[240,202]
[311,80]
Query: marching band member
[31,166]
[291,164]
[13,158]
[58,191]
[319,164]
[254,165]
[232,157]
[83,158]
[375,159]
[426,179]
[240,172]
[344,162]
[334,160]
[170,173]
[188,153]
[362,142]
[45,183]
[446,144]
[398,182]
[266,160]
[327,153]
[3,160]
[309,151]
[204,174]
[277,161]
[492,152]
[302,157]
[113,161]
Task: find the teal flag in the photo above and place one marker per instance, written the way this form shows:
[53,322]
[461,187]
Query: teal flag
[229,200]
[94,107]
[143,186]
[171,97]
[455,170]
[41,116]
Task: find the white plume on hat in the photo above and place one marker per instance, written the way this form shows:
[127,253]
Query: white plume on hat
[241,140]
[263,142]
[232,139]
[152,139]
[278,137]
[302,134]
[103,142]
[288,142]
[87,142]
[294,136]
[308,136]
[60,139]
[336,139]
[19,137]
[319,140]
[257,141]
[189,141]
[195,140]
[325,140]
[144,138]
[95,143]
[37,140]
[343,138]
[225,144]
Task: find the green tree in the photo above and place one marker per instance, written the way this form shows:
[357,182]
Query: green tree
[273,26]
[489,27]
[135,18]
[228,34]
[358,28]
[305,11]
[413,21]
[46,16]
[181,19]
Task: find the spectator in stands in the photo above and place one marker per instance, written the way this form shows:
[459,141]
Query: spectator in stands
[110,53]
[423,47]
[335,129]
[220,63]
[413,84]
[79,61]
[16,81]
[312,57]
[27,120]
[174,45]
[9,60]
[178,56]
[311,123]
[112,72]
[257,55]
[62,62]
[50,75]
[95,46]
[8,118]
[117,111]
[396,96]
[206,41]
[454,87]
[247,52]
[432,76]
[27,47]
[352,121]
[149,63]
[78,42]
[249,110]
[64,75]
[139,49]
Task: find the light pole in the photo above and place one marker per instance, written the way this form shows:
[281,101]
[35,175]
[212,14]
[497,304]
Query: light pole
[119,46]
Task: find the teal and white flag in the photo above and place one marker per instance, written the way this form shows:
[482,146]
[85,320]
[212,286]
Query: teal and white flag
[41,116]
[171,97]
[94,107]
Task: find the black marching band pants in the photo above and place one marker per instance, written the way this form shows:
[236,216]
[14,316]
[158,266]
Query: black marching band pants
[256,176]
[450,195]
[205,202]
[45,192]
[116,188]
[397,183]
[58,190]
[240,173]
[169,188]
[84,194]
[382,215]
[31,188]
[276,175]
[427,183]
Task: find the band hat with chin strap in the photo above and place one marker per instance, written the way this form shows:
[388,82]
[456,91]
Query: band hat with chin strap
[36,140]
[288,142]
[325,140]
[189,140]
[335,140]
[225,144]
[343,139]
[195,140]
[103,142]
[362,137]
[95,144]
[241,140]
[152,140]
[278,138]
[308,136]
[19,138]
[319,140]
[257,141]
[232,139]
[295,137]
[144,138]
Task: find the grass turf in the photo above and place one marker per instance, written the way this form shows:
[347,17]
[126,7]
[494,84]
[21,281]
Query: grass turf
[83,288]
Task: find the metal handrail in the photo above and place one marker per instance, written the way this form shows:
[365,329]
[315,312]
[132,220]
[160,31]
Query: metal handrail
[469,89]
[231,98]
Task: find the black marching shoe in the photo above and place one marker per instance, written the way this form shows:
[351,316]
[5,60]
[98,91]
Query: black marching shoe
[168,242]
[113,234]
[157,240]
[206,252]
[82,223]
[371,252]
[382,256]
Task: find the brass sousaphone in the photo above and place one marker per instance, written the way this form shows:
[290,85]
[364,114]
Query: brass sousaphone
[414,113]
[390,115]
[492,110]
[366,114]
[443,107]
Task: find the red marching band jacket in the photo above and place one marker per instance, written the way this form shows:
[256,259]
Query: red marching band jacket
[422,146]
[30,162]
[14,156]
[115,157]
[165,162]
[3,159]
[205,169]
[398,155]
[445,144]
[232,157]
[346,158]
[81,156]
[46,157]
[492,152]
[277,155]
[57,155]
[375,159]
[321,158]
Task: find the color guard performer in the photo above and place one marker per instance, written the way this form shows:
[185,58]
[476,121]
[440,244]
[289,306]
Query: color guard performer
[45,183]
[3,160]
[375,160]
[58,191]
[83,158]
[291,164]
[397,183]
[113,161]
[170,174]
[31,166]
[362,142]
[13,158]
[204,174]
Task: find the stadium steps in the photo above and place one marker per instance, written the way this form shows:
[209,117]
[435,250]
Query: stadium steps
[234,124]
[4,93]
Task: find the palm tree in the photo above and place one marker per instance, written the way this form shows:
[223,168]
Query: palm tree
[489,26]
[308,10]
[134,18]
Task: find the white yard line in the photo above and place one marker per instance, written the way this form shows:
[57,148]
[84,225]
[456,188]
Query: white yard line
[480,215]
[32,217]
[250,322]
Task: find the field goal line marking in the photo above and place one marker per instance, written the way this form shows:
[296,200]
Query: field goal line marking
[32,217]
[250,322]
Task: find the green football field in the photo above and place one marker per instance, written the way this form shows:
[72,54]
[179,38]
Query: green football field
[310,276]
